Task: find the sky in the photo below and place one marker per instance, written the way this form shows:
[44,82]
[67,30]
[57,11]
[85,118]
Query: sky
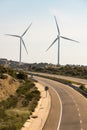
[16,16]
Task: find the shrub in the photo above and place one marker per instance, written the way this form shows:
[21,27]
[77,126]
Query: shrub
[11,102]
[26,96]
[25,103]
[82,86]
[21,75]
[2,76]
[33,104]
[25,88]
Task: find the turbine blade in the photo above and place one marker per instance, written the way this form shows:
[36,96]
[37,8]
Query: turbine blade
[57,25]
[24,45]
[13,35]
[69,39]
[52,44]
[26,30]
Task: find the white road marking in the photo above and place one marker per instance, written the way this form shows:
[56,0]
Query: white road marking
[60,110]
[77,108]
[62,107]
[79,115]
[76,104]
[80,121]
[81,128]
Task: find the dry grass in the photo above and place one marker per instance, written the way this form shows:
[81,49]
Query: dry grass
[8,87]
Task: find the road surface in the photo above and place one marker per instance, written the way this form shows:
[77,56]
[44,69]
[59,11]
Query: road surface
[68,109]
[83,81]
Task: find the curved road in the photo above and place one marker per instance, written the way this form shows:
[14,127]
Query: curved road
[83,81]
[68,109]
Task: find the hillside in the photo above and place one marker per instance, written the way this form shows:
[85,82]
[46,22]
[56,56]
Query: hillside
[8,86]
[18,98]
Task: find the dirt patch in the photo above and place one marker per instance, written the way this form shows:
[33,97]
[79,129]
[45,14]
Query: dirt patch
[8,87]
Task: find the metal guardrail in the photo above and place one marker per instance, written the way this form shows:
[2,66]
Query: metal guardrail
[65,82]
[79,90]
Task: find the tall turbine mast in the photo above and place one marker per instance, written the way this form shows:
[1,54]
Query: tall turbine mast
[21,42]
[58,38]
[20,52]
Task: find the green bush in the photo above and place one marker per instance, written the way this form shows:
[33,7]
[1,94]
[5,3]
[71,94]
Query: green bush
[32,105]
[2,76]
[25,103]
[25,87]
[26,96]
[21,75]
[11,102]
[34,93]
[29,96]
[82,86]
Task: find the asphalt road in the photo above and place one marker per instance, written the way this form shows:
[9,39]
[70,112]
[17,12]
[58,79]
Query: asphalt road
[68,109]
[84,81]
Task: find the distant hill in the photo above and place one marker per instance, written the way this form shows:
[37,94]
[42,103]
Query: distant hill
[25,66]
[68,70]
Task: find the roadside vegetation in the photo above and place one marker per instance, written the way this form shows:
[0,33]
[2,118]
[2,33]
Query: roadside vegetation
[18,107]
[67,70]
[81,87]
[64,81]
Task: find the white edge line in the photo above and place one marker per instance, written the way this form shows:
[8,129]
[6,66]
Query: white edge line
[61,108]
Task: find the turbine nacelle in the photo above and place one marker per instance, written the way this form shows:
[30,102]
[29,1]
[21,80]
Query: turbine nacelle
[21,41]
[58,36]
[58,39]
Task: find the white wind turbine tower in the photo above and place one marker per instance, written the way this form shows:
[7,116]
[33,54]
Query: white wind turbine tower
[21,42]
[58,38]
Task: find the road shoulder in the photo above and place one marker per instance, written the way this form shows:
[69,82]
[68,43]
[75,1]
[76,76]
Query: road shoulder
[39,116]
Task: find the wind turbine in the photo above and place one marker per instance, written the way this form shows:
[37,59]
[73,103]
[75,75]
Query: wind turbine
[21,42]
[58,39]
